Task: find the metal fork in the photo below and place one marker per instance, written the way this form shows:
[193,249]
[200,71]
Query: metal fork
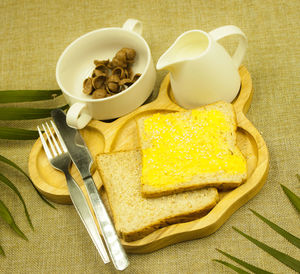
[59,158]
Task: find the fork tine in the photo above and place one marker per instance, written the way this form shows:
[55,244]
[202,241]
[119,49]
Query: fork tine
[44,143]
[50,142]
[54,139]
[62,143]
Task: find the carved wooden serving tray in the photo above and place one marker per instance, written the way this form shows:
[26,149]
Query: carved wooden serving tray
[121,134]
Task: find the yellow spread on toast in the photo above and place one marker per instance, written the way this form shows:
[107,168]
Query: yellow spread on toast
[182,146]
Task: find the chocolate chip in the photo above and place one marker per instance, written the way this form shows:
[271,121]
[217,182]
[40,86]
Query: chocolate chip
[87,86]
[99,93]
[98,81]
[111,77]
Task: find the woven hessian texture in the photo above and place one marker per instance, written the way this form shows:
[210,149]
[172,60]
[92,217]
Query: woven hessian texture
[34,33]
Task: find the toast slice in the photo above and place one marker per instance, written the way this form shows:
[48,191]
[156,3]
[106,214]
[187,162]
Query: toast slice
[189,150]
[135,216]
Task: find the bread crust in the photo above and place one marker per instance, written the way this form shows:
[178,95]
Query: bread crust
[139,234]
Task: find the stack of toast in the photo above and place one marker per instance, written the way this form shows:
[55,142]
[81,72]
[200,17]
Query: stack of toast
[184,159]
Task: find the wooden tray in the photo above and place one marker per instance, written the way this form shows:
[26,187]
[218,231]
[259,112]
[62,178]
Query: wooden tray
[122,135]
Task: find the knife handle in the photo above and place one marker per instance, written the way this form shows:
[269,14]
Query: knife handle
[86,216]
[113,244]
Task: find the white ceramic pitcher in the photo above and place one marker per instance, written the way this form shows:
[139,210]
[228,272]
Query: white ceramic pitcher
[202,72]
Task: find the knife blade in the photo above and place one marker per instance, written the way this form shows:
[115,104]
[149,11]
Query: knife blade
[83,210]
[83,160]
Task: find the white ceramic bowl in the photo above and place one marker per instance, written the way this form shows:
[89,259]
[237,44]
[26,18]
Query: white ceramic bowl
[77,63]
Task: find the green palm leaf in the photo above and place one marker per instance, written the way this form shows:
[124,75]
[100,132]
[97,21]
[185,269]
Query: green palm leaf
[233,267]
[8,218]
[12,113]
[295,200]
[250,267]
[9,162]
[6,181]
[2,251]
[14,96]
[284,258]
[18,134]
[290,237]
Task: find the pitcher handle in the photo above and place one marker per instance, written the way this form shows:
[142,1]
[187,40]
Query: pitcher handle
[225,31]
[133,25]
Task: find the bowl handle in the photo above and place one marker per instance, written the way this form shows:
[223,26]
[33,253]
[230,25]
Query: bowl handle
[77,116]
[133,25]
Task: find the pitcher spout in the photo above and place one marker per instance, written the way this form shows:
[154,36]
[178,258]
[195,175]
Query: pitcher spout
[187,47]
[171,59]
[167,62]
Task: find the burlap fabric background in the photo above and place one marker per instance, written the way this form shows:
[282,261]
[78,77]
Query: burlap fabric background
[32,36]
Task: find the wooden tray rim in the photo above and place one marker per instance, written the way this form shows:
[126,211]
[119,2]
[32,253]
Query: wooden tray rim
[225,208]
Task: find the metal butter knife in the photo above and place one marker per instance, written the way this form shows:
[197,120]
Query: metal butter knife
[83,160]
